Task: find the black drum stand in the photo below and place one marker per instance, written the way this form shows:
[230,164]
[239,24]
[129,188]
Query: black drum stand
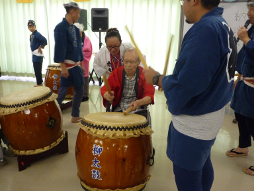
[26,160]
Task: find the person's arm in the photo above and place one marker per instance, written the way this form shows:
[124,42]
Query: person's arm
[238,78]
[83,67]
[99,69]
[243,35]
[64,70]
[144,101]
[249,53]
[108,97]
[60,45]
[42,41]
[104,92]
[149,76]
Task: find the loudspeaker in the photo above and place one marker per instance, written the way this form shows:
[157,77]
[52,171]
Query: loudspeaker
[99,17]
[83,18]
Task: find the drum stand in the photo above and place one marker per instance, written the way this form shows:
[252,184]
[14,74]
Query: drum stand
[66,104]
[26,160]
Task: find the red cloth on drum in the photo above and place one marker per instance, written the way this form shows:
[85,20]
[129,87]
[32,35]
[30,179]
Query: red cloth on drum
[116,83]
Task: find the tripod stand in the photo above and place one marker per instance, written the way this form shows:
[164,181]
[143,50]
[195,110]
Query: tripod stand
[91,74]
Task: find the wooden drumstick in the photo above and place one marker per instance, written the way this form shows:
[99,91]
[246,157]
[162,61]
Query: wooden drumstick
[107,85]
[137,49]
[167,59]
[128,110]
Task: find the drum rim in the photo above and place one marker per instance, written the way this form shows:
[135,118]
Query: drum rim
[105,118]
[113,127]
[54,67]
[115,130]
[135,188]
[39,150]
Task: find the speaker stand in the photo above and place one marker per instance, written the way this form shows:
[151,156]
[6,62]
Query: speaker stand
[98,78]
[91,74]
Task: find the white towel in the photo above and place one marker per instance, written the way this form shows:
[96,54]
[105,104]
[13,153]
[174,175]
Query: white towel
[36,53]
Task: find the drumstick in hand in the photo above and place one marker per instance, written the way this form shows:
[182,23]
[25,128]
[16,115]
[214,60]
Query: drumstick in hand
[137,49]
[107,85]
[167,59]
[128,110]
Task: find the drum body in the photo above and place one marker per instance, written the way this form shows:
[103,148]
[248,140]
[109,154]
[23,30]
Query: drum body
[113,150]
[33,124]
[52,80]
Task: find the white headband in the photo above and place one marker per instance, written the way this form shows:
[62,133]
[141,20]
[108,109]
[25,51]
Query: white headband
[71,4]
[250,3]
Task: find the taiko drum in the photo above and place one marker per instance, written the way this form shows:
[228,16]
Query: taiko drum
[31,120]
[52,80]
[113,150]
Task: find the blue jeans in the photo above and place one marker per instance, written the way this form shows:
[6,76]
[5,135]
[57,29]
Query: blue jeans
[77,97]
[199,180]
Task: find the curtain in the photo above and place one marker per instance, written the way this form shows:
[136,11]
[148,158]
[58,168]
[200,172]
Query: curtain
[151,22]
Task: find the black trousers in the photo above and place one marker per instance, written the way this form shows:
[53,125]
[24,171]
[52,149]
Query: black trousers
[37,72]
[86,86]
[246,130]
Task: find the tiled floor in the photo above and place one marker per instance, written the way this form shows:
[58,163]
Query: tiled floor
[59,172]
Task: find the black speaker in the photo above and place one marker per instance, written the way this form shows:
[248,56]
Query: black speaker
[83,18]
[99,17]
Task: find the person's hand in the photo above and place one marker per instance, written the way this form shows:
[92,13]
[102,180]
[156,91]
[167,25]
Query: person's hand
[109,97]
[149,74]
[83,68]
[243,35]
[107,72]
[39,50]
[235,84]
[135,105]
[64,72]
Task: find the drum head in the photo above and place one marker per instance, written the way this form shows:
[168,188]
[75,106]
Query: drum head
[25,99]
[115,119]
[115,125]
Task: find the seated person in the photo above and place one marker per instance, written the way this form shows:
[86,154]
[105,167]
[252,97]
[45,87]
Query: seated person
[128,86]
[3,150]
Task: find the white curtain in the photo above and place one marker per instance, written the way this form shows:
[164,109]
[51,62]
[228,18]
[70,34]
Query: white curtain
[151,22]
[15,52]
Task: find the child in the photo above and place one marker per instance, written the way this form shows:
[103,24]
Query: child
[37,42]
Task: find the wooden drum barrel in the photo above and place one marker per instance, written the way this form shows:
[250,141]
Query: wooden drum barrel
[52,80]
[31,120]
[113,151]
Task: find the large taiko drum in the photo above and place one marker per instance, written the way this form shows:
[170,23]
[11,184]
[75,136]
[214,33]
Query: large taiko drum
[52,79]
[113,151]
[31,120]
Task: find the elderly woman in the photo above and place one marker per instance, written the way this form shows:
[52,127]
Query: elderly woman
[128,86]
